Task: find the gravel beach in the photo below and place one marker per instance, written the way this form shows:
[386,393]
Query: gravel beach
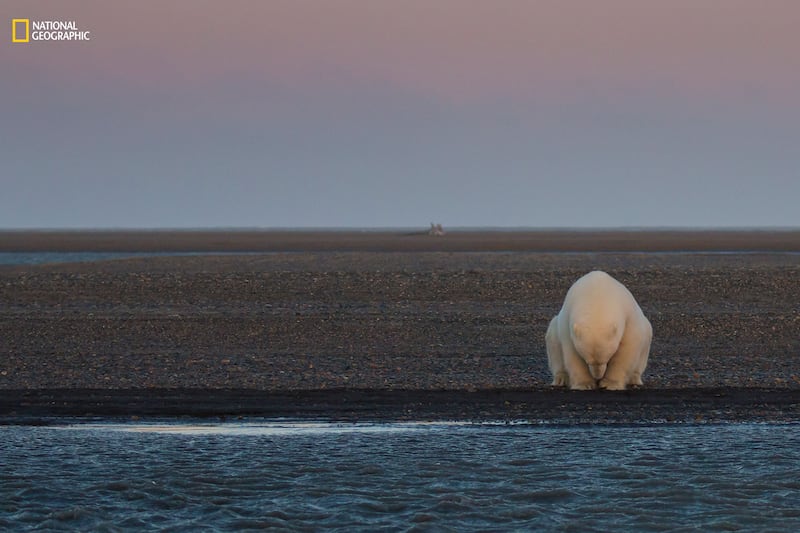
[394,332]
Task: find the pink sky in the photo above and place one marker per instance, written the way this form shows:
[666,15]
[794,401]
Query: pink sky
[455,50]
[691,89]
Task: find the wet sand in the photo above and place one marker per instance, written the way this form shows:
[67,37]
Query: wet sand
[535,405]
[384,330]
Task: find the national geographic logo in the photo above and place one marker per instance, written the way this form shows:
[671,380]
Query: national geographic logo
[26,30]
[20,30]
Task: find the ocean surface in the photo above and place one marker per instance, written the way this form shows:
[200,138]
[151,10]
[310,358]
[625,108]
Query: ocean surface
[41,258]
[399,477]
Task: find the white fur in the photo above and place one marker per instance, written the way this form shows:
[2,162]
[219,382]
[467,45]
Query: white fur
[600,338]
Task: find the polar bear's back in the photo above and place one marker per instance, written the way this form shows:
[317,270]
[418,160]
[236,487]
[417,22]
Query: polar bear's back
[598,294]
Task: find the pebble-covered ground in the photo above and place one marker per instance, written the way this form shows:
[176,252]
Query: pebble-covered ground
[370,320]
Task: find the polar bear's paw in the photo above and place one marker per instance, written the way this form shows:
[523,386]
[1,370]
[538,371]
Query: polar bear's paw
[560,380]
[584,385]
[608,384]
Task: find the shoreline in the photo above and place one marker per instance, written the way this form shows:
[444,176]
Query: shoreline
[610,240]
[533,406]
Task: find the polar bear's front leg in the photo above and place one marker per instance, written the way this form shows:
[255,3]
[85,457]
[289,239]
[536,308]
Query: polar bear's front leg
[579,376]
[624,367]
[555,357]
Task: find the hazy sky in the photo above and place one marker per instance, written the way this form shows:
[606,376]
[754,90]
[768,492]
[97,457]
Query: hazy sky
[373,113]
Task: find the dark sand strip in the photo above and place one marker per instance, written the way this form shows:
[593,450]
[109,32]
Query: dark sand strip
[723,404]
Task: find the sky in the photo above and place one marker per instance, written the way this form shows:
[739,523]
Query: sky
[376,114]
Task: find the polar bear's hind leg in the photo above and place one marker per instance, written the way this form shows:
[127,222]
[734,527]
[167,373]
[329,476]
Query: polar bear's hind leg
[555,357]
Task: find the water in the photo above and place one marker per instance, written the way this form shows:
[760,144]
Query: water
[309,477]
[40,258]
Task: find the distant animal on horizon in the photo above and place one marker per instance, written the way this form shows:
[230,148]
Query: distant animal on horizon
[599,338]
[436,230]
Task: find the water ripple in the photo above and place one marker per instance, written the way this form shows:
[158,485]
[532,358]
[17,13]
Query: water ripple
[459,477]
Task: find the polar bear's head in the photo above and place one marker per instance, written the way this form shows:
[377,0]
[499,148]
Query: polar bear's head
[596,344]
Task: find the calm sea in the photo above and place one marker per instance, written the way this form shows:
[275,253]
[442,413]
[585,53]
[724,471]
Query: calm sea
[40,258]
[400,477]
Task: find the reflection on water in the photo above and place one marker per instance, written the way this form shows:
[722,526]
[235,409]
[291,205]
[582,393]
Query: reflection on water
[266,428]
[41,258]
[401,477]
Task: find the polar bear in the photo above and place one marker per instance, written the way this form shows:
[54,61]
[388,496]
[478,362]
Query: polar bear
[600,337]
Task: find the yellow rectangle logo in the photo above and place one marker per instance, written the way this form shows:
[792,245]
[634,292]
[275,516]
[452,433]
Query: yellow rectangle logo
[15,35]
